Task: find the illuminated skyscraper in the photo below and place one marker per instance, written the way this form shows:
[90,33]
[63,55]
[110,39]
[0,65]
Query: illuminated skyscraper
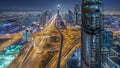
[77,11]
[43,18]
[58,9]
[91,32]
[69,17]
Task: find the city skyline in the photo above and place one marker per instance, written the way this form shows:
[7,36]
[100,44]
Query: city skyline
[33,5]
[59,34]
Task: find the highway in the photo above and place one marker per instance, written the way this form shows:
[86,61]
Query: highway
[12,38]
[69,45]
[15,37]
[36,51]
[34,54]
[38,48]
[66,51]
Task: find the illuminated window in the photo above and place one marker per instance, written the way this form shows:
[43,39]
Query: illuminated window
[92,59]
[92,1]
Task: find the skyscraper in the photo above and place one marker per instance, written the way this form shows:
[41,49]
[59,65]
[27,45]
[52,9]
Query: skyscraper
[58,9]
[69,17]
[43,18]
[91,31]
[107,39]
[76,12]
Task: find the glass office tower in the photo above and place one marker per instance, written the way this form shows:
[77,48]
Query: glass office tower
[91,32]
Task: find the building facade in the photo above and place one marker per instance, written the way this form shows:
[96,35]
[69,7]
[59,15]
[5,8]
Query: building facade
[27,35]
[77,14]
[91,31]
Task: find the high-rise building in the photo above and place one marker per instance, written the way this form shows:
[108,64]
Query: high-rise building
[118,38]
[107,39]
[43,18]
[74,60]
[69,17]
[112,60]
[106,48]
[77,13]
[26,36]
[91,31]
[58,9]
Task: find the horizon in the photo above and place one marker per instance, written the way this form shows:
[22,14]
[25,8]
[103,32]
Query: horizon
[37,5]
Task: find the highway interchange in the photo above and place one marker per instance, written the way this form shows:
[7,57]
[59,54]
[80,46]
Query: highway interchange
[35,54]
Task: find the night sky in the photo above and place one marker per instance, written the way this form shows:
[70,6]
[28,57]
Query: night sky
[113,5]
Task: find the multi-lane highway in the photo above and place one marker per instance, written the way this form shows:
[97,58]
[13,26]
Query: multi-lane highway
[69,45]
[35,50]
[12,39]
[38,52]
[34,54]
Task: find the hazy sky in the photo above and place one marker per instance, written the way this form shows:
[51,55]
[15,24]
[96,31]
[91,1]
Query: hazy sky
[113,5]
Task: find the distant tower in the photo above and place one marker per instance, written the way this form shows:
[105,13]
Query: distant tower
[91,32]
[70,19]
[43,18]
[76,11]
[58,9]
[26,36]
